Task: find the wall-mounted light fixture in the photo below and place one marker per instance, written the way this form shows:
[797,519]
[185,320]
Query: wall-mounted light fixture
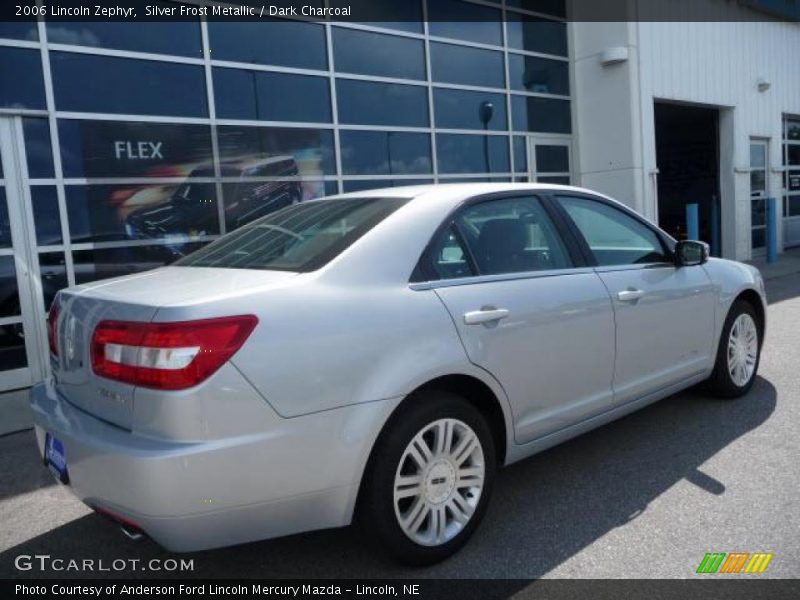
[614,55]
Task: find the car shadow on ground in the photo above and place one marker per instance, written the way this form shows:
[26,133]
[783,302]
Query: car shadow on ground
[544,509]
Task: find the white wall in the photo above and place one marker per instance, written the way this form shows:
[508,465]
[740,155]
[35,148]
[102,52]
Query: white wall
[711,63]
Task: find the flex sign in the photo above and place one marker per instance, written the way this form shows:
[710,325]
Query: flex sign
[141,150]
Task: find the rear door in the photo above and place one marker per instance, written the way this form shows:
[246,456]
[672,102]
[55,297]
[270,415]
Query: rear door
[526,311]
[664,314]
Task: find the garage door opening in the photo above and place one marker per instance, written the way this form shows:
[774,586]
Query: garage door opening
[687,155]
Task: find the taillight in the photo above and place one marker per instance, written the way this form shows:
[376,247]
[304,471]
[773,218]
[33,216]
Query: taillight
[52,329]
[167,356]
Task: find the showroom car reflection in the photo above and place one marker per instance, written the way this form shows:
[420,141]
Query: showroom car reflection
[252,188]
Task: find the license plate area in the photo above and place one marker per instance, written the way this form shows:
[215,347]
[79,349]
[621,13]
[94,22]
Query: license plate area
[55,458]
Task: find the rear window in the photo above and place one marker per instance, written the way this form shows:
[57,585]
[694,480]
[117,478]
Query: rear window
[302,237]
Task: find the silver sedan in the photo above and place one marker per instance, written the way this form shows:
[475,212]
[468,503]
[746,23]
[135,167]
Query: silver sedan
[375,357]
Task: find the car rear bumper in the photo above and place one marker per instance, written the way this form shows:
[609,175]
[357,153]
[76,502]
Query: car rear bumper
[301,474]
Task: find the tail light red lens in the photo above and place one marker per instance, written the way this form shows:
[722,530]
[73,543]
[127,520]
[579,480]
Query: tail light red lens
[52,329]
[167,356]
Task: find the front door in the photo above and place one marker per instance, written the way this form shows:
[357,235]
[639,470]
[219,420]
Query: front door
[759,192]
[664,314]
[21,322]
[542,328]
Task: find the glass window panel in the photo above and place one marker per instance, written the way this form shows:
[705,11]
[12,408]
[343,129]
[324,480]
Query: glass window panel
[465,21]
[793,155]
[5,224]
[12,345]
[472,153]
[759,237]
[19,30]
[38,149]
[459,109]
[556,8]
[269,42]
[89,83]
[547,115]
[614,237]
[248,151]
[91,265]
[536,35]
[467,66]
[131,149]
[53,270]
[47,221]
[758,155]
[369,53]
[520,154]
[385,153]
[540,75]
[559,179]
[249,199]
[368,103]
[793,206]
[758,212]
[793,129]
[256,95]
[103,213]
[9,294]
[359,185]
[552,158]
[175,36]
[405,15]
[512,235]
[21,83]
[758,182]
[792,181]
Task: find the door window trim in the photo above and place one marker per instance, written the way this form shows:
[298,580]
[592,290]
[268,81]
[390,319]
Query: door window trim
[423,276]
[667,243]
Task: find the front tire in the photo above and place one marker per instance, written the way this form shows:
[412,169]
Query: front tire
[429,479]
[738,353]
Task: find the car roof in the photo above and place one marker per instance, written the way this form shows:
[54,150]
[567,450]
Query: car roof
[455,192]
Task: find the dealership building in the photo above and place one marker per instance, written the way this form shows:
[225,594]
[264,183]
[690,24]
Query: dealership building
[126,145]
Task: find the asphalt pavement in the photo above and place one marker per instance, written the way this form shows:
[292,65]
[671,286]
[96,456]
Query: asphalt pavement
[644,497]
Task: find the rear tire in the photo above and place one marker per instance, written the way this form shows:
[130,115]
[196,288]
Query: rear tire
[738,353]
[429,479]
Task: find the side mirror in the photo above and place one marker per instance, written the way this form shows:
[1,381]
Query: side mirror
[689,253]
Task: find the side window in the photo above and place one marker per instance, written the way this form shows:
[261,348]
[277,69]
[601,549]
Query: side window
[512,235]
[448,258]
[614,237]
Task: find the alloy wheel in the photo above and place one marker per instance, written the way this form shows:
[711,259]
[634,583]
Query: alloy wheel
[742,349]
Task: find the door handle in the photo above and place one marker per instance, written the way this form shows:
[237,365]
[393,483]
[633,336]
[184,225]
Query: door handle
[485,315]
[630,295]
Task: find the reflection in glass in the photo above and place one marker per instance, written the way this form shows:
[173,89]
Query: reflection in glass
[131,149]
[759,237]
[19,30]
[472,153]
[262,96]
[465,21]
[557,8]
[552,158]
[459,109]
[88,83]
[21,83]
[9,294]
[91,265]
[541,114]
[467,66]
[102,213]
[53,269]
[385,153]
[559,179]
[12,346]
[368,53]
[359,185]
[181,37]
[536,35]
[248,151]
[38,149]
[793,155]
[758,212]
[520,154]
[540,75]
[45,215]
[5,224]
[405,15]
[269,42]
[368,103]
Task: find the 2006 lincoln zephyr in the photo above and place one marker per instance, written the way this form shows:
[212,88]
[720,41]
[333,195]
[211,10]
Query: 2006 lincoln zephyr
[376,356]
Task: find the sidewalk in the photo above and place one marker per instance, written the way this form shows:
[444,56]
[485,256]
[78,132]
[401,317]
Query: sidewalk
[788,263]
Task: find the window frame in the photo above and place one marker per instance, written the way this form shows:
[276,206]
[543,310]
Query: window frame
[424,275]
[666,242]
